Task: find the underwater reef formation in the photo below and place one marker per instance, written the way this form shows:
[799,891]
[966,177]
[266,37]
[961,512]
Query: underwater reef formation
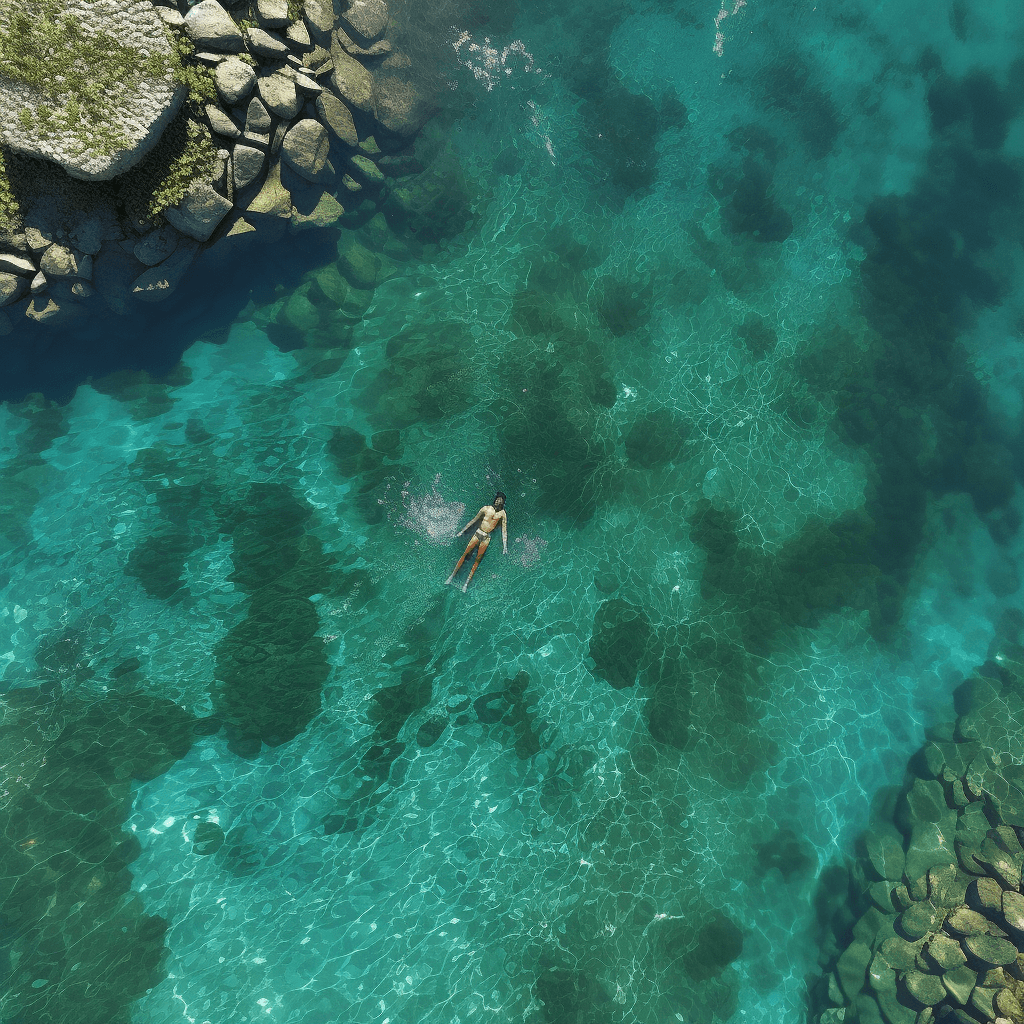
[135,135]
[930,925]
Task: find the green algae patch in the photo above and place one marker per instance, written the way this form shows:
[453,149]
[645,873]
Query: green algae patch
[10,209]
[271,666]
[81,947]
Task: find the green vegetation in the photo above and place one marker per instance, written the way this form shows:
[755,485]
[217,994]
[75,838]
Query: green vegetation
[10,212]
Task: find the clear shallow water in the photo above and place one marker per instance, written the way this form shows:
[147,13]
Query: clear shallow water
[758,423]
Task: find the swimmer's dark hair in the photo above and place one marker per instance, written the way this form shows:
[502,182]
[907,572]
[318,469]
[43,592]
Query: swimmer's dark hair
[502,495]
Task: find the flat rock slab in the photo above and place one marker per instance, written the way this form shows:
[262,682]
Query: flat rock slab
[279,94]
[246,164]
[366,20]
[50,106]
[927,989]
[199,212]
[305,148]
[16,264]
[59,261]
[12,287]
[158,282]
[272,13]
[351,81]
[338,118]
[991,949]
[266,44]
[210,26]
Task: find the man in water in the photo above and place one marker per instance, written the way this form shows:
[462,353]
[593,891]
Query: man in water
[488,517]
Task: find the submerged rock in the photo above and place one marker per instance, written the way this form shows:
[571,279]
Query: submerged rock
[962,924]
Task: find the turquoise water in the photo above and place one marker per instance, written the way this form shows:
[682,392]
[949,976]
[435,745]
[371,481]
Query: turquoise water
[727,301]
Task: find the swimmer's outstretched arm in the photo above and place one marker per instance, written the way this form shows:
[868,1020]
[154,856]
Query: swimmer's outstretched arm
[504,532]
[476,519]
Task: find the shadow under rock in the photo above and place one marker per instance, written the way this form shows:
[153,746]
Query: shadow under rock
[55,361]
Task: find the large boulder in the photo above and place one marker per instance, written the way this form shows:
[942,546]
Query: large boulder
[199,212]
[305,148]
[91,91]
[209,26]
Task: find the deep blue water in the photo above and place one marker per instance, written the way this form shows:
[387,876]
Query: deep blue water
[728,301]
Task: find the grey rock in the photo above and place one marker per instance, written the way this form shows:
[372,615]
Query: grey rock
[306,148]
[399,106]
[235,80]
[319,61]
[1001,864]
[298,36]
[307,85]
[220,123]
[350,183]
[982,1000]
[960,983]
[53,313]
[272,13]
[366,20]
[899,954]
[208,24]
[337,116]
[919,919]
[852,968]
[381,48]
[85,268]
[160,281]
[946,952]
[199,212]
[59,261]
[247,163]
[39,284]
[1008,1006]
[266,44]
[963,921]
[37,240]
[273,201]
[170,17]
[367,170]
[926,989]
[279,94]
[321,16]
[986,896]
[257,120]
[351,81]
[211,59]
[155,247]
[991,949]
[12,287]
[16,264]
[1013,910]
[89,232]
[82,290]
[929,844]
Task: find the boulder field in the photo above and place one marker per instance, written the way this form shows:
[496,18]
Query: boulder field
[135,135]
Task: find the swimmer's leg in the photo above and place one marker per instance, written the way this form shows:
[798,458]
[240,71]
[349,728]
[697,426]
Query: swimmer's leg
[479,555]
[458,565]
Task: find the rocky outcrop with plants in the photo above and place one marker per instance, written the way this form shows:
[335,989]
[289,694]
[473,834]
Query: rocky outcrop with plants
[928,923]
[133,135]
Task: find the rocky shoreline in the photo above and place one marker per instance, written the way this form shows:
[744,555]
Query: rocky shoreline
[931,925]
[270,117]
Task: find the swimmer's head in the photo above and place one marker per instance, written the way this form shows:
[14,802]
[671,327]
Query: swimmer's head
[499,501]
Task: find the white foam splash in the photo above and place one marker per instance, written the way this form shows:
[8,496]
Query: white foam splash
[430,516]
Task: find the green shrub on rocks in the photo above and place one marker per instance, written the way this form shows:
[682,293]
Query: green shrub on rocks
[10,211]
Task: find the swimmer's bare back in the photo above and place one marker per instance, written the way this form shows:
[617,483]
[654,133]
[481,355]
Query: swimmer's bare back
[488,517]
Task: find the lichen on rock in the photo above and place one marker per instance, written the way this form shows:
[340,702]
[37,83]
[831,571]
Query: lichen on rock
[89,85]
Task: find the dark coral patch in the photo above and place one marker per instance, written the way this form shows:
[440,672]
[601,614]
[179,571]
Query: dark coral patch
[67,916]
[271,666]
[619,642]
[656,438]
